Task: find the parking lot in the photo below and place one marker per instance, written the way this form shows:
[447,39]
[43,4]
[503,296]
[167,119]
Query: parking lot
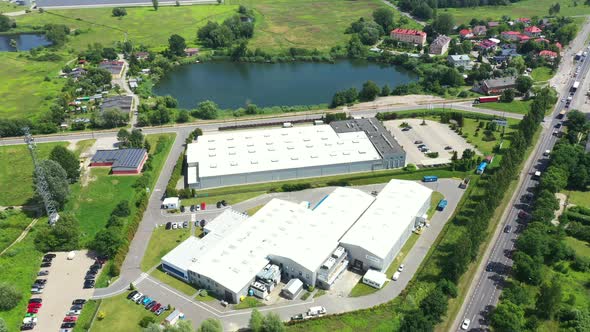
[64,284]
[437,137]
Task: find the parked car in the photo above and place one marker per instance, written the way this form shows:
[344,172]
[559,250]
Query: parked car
[46,264]
[79,302]
[558,125]
[136,297]
[70,318]
[33,310]
[490,267]
[160,311]
[507,229]
[43,273]
[90,277]
[465,324]
[35,300]
[174,225]
[421,146]
[27,326]
[401,268]
[68,325]
[35,305]
[151,305]
[298,317]
[140,299]
[448,147]
[156,307]
[523,215]
[146,300]
[75,312]
[396,276]
[168,225]
[182,208]
[132,294]
[185,224]
[36,290]
[76,307]
[89,284]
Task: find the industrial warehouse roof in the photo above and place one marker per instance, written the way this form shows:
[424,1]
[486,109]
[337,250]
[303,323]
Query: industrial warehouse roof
[275,149]
[225,222]
[280,228]
[384,221]
[381,139]
[121,158]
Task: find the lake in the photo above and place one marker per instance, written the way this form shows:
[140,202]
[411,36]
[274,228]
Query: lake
[234,84]
[25,42]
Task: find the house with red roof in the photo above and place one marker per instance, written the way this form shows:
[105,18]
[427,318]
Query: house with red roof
[524,38]
[408,36]
[466,33]
[524,20]
[548,54]
[511,35]
[487,45]
[559,46]
[532,31]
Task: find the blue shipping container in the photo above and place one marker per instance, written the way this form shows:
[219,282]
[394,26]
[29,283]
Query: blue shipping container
[481,168]
[430,178]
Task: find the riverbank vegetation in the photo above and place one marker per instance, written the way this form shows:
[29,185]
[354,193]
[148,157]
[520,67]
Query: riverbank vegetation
[549,285]
[425,301]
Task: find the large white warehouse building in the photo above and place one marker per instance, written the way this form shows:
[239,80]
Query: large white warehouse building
[264,155]
[313,245]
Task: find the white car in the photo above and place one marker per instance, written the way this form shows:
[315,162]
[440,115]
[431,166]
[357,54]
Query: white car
[30,320]
[136,297]
[396,276]
[74,312]
[401,268]
[465,324]
[174,225]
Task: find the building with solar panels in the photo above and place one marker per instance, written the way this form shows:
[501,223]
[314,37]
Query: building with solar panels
[121,161]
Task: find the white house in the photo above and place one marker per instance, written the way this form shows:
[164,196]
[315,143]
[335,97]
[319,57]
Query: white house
[461,60]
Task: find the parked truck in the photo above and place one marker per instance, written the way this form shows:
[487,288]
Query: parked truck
[486,99]
[575,86]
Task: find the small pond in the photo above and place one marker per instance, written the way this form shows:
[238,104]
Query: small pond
[234,84]
[25,42]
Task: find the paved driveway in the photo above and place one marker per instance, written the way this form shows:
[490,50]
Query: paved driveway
[64,285]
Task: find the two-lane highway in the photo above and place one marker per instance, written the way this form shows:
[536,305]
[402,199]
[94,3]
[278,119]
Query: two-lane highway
[484,294]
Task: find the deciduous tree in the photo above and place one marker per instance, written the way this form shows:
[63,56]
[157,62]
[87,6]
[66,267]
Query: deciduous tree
[57,181]
[508,317]
[9,297]
[63,236]
[67,160]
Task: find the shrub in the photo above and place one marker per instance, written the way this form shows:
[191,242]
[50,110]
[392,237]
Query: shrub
[203,293]
[581,264]
[295,187]
[9,297]
[122,209]
[119,12]
[410,168]
[101,315]
[147,320]
[432,154]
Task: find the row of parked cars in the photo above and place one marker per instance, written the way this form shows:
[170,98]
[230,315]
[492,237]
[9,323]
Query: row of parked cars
[176,225]
[89,279]
[69,321]
[35,304]
[146,301]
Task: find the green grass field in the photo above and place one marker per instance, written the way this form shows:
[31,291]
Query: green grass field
[27,93]
[174,282]
[19,266]
[581,248]
[517,106]
[143,25]
[12,227]
[122,315]
[161,242]
[17,171]
[542,74]
[281,24]
[249,302]
[83,145]
[578,197]
[523,8]
[7,7]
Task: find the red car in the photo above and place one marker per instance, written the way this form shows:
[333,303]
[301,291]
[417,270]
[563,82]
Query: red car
[70,319]
[35,305]
[156,307]
[33,310]
[523,215]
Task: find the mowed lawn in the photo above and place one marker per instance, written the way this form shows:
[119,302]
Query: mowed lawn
[282,24]
[122,315]
[578,197]
[19,267]
[161,242]
[516,106]
[16,175]
[143,25]
[542,74]
[523,8]
[7,7]
[24,92]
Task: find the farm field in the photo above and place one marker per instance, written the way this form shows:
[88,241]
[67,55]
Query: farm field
[17,171]
[524,8]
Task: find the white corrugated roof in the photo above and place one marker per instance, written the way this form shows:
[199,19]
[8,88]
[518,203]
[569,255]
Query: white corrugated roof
[285,229]
[225,222]
[282,148]
[385,220]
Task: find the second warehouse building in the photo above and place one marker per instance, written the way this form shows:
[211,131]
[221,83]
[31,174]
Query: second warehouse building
[284,240]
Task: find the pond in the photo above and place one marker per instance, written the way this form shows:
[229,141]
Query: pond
[24,42]
[234,84]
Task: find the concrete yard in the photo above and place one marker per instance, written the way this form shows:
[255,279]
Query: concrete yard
[434,134]
[64,284]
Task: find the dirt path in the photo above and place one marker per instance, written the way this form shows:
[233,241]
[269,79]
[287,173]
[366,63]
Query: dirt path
[21,236]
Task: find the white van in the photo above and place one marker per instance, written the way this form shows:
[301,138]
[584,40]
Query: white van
[316,311]
[396,276]
[287,125]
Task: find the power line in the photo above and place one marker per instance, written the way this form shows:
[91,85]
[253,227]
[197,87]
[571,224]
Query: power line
[41,183]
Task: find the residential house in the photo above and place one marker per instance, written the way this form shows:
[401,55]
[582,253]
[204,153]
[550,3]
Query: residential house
[408,36]
[466,33]
[122,104]
[116,67]
[532,31]
[559,47]
[510,35]
[76,73]
[496,86]
[523,38]
[192,51]
[542,40]
[506,54]
[480,30]
[524,20]
[487,45]
[440,45]
[550,55]
[133,84]
[493,24]
[461,60]
[141,55]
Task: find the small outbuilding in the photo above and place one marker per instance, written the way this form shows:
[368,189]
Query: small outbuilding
[292,289]
[374,278]
[174,317]
[171,203]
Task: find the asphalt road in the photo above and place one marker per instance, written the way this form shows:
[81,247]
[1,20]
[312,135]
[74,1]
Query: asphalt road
[485,289]
[209,126]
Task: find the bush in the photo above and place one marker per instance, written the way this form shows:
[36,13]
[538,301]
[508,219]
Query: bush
[147,320]
[581,264]
[119,12]
[295,187]
[203,293]
[432,154]
[410,168]
[122,209]
[9,297]
[101,315]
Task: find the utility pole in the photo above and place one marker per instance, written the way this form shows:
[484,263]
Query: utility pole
[41,183]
